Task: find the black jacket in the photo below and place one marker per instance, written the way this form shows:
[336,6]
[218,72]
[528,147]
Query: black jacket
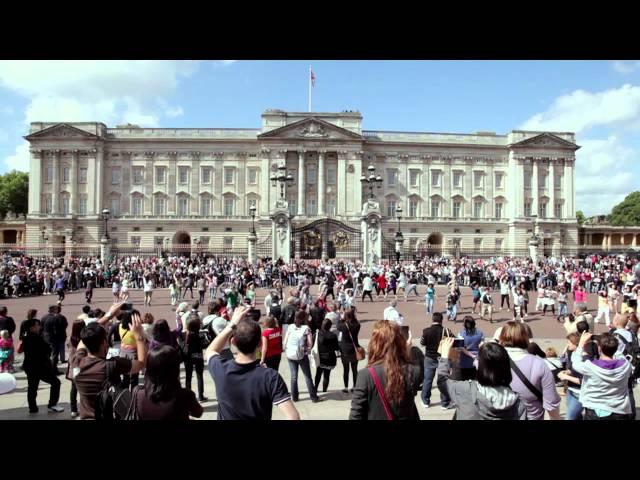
[346,344]
[430,339]
[288,314]
[36,354]
[327,347]
[317,316]
[367,405]
[276,312]
[7,323]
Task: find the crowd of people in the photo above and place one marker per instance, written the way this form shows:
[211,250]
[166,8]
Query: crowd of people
[241,345]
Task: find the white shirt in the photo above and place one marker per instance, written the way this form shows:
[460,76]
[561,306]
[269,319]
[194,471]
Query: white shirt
[391,314]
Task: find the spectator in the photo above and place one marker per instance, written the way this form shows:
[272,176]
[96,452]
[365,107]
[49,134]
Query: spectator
[430,339]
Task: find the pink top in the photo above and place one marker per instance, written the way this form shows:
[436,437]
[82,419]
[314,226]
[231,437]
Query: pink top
[581,296]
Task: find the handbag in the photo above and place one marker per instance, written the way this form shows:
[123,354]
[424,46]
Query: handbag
[445,334]
[383,399]
[314,356]
[360,353]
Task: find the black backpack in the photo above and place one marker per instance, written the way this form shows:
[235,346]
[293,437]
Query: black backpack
[113,402]
[631,352]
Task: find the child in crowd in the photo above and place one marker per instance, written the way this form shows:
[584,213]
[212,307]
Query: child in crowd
[6,352]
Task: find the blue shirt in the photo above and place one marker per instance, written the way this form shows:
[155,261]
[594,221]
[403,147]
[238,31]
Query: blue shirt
[472,344]
[246,391]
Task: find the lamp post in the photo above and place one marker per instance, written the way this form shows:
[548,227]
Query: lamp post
[372,180]
[534,242]
[282,178]
[253,238]
[104,241]
[45,239]
[252,211]
[105,216]
[399,238]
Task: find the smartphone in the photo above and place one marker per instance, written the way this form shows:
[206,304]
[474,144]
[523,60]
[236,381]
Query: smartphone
[458,343]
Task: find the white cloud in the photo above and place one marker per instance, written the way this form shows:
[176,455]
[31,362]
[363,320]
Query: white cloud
[112,92]
[580,110]
[21,158]
[223,63]
[625,66]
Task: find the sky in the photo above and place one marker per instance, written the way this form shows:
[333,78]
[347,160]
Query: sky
[598,100]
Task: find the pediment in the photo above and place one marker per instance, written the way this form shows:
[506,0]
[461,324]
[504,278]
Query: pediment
[61,131]
[545,140]
[312,128]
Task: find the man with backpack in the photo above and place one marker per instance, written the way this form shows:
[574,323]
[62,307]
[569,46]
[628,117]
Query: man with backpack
[97,379]
[628,348]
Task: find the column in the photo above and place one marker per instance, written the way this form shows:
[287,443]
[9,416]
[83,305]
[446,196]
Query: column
[171,179]
[301,183]
[534,188]
[342,190]
[265,185]
[73,178]
[91,175]
[552,189]
[149,179]
[99,189]
[569,189]
[55,193]
[194,184]
[35,181]
[321,185]
[468,191]
[604,240]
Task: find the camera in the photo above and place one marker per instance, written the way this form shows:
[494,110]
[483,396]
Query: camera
[458,343]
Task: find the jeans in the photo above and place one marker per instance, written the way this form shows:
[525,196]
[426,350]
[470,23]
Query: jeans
[562,309]
[273,361]
[33,380]
[574,407]
[201,294]
[57,353]
[430,367]
[189,365]
[430,306]
[212,293]
[412,288]
[345,369]
[452,311]
[306,370]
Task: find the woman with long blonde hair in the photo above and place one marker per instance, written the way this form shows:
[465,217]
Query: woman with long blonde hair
[386,389]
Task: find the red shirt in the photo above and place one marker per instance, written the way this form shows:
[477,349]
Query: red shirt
[274,341]
[382,281]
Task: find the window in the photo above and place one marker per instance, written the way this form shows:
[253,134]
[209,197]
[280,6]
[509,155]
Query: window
[228,242]
[557,182]
[413,207]
[498,210]
[204,240]
[477,209]
[557,211]
[331,175]
[527,209]
[135,241]
[160,175]
[498,243]
[477,179]
[158,241]
[253,176]
[159,207]
[543,210]
[183,175]
[499,177]
[228,206]
[435,208]
[312,206]
[457,179]
[138,175]
[47,204]
[413,177]
[136,205]
[435,179]
[456,209]
[115,176]
[83,205]
[183,206]
[49,175]
[83,175]
[228,176]
[206,175]
[311,174]
[392,176]
[477,244]
[391,208]
[251,202]
[65,205]
[331,206]
[65,175]
[527,180]
[205,206]
[115,206]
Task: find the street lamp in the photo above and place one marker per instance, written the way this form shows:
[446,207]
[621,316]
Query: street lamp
[105,216]
[252,211]
[372,180]
[399,238]
[283,179]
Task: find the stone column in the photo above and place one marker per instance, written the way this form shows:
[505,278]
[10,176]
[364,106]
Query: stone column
[321,185]
[552,189]
[252,239]
[569,193]
[194,184]
[265,185]
[55,194]
[35,181]
[534,188]
[341,187]
[73,189]
[301,183]
[99,191]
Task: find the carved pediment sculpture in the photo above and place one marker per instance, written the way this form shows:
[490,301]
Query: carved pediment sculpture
[313,130]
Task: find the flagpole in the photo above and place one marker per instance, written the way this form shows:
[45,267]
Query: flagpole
[309,88]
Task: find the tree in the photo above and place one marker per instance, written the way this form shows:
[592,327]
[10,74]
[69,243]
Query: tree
[628,211]
[14,193]
[580,217]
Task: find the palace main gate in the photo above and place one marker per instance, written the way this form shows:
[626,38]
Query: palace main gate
[326,238]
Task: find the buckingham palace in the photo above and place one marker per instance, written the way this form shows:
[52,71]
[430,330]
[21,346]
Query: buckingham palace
[209,188]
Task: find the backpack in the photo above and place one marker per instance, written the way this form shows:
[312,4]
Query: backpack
[112,402]
[631,352]
[296,347]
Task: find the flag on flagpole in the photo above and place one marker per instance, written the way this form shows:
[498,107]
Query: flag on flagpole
[313,79]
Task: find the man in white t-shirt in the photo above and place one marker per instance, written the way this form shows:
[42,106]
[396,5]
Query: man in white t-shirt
[392,314]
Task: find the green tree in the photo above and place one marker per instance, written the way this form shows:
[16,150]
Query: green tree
[580,217]
[14,192]
[628,211]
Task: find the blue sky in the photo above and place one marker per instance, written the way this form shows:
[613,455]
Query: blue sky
[599,100]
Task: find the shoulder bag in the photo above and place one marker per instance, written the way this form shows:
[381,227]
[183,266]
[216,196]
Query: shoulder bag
[360,353]
[525,380]
[383,399]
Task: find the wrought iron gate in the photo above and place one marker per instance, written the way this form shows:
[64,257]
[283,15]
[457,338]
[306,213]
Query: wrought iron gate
[326,238]
[264,249]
